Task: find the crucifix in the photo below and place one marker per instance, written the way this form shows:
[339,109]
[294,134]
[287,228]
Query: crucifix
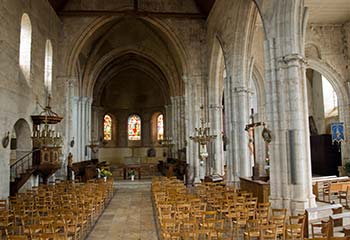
[250,128]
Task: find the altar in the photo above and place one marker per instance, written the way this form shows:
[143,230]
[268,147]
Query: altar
[259,188]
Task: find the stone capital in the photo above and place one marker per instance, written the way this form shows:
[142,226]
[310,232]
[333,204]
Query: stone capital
[216,106]
[242,90]
[293,59]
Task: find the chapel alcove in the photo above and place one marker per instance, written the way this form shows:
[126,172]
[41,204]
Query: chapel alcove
[323,110]
[133,92]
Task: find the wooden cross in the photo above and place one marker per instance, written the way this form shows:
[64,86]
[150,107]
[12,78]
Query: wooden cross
[251,127]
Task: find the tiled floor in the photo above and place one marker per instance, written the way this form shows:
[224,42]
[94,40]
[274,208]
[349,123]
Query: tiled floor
[129,215]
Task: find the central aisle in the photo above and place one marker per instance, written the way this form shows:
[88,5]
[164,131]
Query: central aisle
[129,215]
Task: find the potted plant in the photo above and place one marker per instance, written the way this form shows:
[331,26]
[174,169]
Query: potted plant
[131,174]
[105,173]
[347,168]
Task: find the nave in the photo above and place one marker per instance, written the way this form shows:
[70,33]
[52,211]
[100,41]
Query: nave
[163,208]
[129,215]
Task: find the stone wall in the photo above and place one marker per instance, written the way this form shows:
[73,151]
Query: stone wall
[17,95]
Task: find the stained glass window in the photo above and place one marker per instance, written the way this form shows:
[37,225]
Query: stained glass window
[134,128]
[107,127]
[160,127]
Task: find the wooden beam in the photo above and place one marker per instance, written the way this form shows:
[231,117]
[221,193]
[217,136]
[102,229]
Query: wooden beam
[89,13]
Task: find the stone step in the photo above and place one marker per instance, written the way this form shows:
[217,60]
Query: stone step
[136,184]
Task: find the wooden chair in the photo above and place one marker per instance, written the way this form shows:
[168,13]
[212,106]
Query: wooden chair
[3,205]
[51,236]
[239,220]
[252,230]
[189,229]
[263,212]
[279,212]
[219,230]
[17,237]
[323,229]
[294,232]
[344,195]
[268,232]
[280,222]
[251,205]
[5,220]
[295,229]
[170,228]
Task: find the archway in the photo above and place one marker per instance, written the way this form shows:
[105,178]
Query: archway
[217,75]
[21,143]
[323,110]
[110,49]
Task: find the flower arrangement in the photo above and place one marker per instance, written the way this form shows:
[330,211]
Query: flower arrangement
[105,173]
[131,173]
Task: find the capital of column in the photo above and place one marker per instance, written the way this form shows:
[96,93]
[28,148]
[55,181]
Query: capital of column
[68,80]
[242,90]
[215,106]
[293,59]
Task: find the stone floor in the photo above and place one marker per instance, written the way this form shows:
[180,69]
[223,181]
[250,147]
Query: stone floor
[129,215]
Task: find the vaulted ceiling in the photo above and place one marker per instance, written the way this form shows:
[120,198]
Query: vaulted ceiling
[203,5]
[58,5]
[321,11]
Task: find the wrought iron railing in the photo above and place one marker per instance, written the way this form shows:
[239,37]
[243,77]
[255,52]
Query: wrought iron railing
[22,165]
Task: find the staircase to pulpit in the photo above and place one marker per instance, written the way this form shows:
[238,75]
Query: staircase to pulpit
[44,160]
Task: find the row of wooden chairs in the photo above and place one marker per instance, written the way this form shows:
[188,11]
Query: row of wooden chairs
[234,214]
[66,210]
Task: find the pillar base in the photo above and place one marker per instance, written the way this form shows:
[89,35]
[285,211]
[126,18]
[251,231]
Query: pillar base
[196,180]
[293,206]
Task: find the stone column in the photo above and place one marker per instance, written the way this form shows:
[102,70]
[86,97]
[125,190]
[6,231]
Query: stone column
[81,116]
[86,125]
[182,122]
[168,125]
[286,106]
[241,110]
[175,126]
[217,145]
[231,166]
[287,114]
[75,130]
[192,121]
[236,116]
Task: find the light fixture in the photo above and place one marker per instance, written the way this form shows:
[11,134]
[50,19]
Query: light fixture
[203,137]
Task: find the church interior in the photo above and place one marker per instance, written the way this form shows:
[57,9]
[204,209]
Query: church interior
[183,119]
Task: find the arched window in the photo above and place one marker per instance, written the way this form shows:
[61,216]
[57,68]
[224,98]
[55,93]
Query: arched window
[107,127]
[160,127]
[134,128]
[48,66]
[330,99]
[25,45]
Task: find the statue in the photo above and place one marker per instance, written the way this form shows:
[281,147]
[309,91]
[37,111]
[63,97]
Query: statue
[69,166]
